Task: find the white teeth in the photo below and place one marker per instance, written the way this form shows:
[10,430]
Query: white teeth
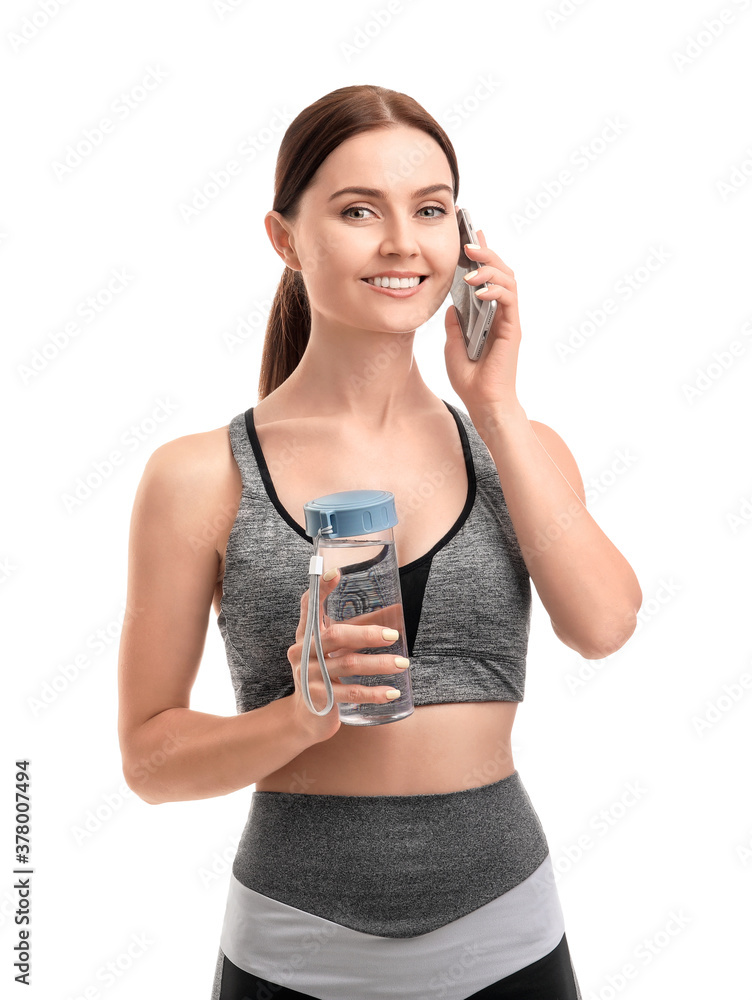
[394,282]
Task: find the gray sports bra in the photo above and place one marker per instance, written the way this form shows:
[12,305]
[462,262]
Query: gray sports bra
[466,601]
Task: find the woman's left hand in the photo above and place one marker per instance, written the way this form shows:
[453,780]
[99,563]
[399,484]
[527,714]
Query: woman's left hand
[491,380]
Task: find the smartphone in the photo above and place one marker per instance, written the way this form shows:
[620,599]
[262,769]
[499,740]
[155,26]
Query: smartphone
[475,315]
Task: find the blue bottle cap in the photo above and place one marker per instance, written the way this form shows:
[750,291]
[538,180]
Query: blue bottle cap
[352,512]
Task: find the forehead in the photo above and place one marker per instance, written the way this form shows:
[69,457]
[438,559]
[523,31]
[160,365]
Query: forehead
[397,160]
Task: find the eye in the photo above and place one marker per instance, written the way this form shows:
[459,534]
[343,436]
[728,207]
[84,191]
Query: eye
[354,208]
[362,208]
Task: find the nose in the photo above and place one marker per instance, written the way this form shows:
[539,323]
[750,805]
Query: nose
[399,238]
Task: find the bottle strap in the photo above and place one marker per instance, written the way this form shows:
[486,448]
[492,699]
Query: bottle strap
[313,627]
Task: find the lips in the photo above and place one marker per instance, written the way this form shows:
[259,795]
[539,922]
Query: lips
[372,277]
[397,293]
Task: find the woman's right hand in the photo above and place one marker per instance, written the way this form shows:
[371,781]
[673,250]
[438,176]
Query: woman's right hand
[339,642]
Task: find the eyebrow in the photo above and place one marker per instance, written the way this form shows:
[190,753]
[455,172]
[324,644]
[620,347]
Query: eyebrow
[377,193]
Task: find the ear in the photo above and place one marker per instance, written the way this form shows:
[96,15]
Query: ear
[280,235]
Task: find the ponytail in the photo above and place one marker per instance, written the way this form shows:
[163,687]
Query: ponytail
[287,332]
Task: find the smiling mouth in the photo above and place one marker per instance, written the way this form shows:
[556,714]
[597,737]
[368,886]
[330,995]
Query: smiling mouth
[395,284]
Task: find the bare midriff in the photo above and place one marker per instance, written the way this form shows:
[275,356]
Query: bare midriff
[439,748]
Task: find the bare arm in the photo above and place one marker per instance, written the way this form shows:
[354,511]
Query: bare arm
[587,586]
[171,752]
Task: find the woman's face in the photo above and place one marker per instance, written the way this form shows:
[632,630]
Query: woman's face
[342,238]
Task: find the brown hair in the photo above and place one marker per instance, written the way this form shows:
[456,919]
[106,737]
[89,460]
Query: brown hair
[309,139]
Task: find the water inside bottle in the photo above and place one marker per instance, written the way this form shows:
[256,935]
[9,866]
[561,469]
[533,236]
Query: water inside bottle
[368,594]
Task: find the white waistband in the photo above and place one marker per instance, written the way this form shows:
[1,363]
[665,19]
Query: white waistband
[305,952]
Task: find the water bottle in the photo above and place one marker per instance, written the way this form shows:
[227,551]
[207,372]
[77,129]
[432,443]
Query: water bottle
[352,532]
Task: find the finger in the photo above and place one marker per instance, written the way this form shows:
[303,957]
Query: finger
[325,588]
[486,256]
[344,636]
[495,275]
[504,295]
[501,286]
[380,618]
[352,664]
[451,322]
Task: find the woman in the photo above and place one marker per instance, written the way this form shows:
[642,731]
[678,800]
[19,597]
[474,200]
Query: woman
[378,860]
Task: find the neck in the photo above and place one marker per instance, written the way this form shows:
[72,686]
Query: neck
[368,377]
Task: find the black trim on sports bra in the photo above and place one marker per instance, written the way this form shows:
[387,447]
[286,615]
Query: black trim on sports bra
[413,589]
[465,513]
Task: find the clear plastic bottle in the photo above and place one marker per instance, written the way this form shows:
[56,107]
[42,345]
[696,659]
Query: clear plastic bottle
[352,531]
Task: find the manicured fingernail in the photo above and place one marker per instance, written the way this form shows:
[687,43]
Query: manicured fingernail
[392,694]
[330,574]
[390,633]
[401,662]
[471,274]
[473,246]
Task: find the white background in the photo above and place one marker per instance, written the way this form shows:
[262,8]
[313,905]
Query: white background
[667,470]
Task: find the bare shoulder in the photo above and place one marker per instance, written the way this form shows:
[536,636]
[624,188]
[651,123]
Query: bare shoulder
[194,453]
[192,477]
[561,455]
